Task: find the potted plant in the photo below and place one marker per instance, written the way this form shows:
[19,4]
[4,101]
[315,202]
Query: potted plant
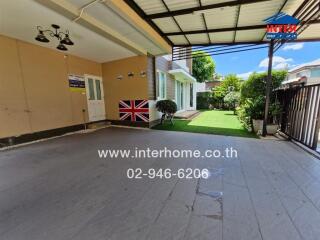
[273,121]
[256,112]
[168,108]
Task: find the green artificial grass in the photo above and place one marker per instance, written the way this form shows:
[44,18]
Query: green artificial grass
[212,122]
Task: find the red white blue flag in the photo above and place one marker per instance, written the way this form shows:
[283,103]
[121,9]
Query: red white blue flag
[134,110]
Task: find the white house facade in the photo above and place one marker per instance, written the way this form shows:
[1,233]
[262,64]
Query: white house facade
[307,74]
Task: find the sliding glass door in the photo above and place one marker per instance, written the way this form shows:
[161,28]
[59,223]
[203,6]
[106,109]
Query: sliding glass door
[180,95]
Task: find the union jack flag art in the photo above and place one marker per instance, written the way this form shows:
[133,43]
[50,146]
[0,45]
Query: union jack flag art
[134,110]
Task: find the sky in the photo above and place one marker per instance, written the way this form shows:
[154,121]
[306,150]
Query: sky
[244,63]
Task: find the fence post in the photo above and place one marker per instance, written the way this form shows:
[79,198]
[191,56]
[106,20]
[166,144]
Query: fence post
[317,126]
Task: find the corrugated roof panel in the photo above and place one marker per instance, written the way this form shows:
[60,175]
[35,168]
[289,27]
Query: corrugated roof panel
[222,37]
[151,6]
[178,39]
[166,24]
[291,6]
[208,2]
[313,31]
[254,14]
[221,18]
[181,4]
[191,22]
[250,15]
[198,38]
[250,35]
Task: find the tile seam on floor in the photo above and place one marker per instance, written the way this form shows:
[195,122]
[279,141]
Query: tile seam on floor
[279,197]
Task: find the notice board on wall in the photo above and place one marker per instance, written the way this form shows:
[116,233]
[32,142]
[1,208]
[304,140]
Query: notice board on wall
[76,83]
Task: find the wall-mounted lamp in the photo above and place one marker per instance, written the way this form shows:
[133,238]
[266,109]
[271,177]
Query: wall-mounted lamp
[119,77]
[143,74]
[130,74]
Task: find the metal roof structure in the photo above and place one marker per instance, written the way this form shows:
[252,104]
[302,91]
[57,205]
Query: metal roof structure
[207,23]
[236,25]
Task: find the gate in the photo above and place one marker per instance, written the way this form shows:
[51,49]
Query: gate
[300,118]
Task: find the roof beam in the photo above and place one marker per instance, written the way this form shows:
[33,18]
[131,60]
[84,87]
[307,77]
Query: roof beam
[141,13]
[175,20]
[253,27]
[202,8]
[205,22]
[236,24]
[280,9]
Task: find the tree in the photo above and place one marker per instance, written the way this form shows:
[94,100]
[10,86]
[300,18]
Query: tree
[232,99]
[203,67]
[255,86]
[231,83]
[253,95]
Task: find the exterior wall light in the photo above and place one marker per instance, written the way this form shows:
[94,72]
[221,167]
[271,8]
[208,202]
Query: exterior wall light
[130,74]
[143,74]
[63,38]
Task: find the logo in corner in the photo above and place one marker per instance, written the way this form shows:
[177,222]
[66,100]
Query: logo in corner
[282,26]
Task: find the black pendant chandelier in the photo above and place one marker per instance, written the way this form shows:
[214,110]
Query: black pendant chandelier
[63,38]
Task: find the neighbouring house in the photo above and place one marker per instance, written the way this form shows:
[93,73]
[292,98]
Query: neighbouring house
[208,86]
[307,74]
[174,81]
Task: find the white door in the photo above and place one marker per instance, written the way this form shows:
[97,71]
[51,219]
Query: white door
[95,98]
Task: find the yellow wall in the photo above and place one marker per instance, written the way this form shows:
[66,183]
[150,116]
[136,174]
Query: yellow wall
[34,91]
[128,88]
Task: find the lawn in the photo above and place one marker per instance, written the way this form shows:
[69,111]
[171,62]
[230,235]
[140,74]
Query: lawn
[212,122]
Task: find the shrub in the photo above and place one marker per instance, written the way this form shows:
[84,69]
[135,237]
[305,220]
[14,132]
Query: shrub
[168,109]
[251,109]
[203,100]
[252,98]
[232,99]
[255,86]
[166,106]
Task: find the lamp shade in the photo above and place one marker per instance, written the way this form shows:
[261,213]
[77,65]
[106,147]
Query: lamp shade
[67,40]
[62,47]
[41,37]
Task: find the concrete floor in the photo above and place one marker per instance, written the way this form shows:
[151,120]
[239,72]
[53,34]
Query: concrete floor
[60,189]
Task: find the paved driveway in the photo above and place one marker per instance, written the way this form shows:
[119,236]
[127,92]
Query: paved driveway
[61,189]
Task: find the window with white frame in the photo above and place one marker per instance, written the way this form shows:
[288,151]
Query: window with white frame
[162,85]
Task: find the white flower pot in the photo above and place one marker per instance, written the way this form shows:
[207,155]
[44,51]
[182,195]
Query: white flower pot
[272,128]
[257,125]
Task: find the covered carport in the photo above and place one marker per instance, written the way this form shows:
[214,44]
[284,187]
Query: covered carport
[61,189]
[226,27]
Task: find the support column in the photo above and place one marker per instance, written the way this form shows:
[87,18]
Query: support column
[268,84]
